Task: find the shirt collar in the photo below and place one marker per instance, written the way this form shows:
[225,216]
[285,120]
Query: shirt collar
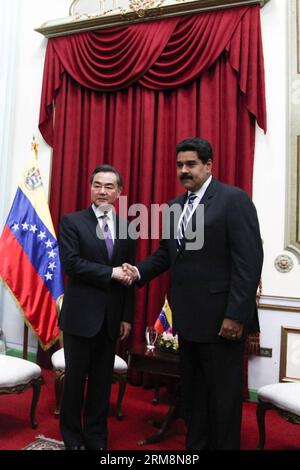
[100,212]
[201,191]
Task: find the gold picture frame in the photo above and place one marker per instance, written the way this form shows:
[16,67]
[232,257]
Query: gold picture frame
[290,354]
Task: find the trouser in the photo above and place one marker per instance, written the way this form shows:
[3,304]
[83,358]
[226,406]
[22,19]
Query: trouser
[212,393]
[87,384]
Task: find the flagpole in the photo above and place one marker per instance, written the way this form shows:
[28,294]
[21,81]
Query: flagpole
[34,148]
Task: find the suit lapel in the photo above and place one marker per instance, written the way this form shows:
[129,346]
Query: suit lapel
[92,224]
[120,227]
[174,226]
[207,200]
[209,194]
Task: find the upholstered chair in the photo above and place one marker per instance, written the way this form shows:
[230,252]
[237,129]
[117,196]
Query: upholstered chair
[16,375]
[284,398]
[119,375]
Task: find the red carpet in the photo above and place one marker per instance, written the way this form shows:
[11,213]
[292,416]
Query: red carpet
[138,409]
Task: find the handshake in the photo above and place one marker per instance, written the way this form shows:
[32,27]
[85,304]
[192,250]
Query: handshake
[126,274]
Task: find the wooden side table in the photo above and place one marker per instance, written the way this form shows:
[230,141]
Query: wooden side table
[158,363]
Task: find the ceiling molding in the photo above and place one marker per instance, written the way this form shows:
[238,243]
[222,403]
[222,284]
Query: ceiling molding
[136,13]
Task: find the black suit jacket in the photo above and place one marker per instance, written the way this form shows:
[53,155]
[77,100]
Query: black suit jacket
[91,294]
[220,279]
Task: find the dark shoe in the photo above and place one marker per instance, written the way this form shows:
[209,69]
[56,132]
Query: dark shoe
[95,447]
[76,447]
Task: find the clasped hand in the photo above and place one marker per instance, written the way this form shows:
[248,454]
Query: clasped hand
[126,274]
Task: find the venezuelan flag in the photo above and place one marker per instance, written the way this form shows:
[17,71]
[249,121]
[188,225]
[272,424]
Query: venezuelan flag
[29,258]
[164,320]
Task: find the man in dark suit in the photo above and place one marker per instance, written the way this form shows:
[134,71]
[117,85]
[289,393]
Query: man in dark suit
[213,295]
[97,309]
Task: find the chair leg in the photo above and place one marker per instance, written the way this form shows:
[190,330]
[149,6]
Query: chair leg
[122,379]
[59,380]
[36,389]
[260,416]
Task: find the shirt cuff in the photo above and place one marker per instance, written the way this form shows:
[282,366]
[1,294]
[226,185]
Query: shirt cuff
[138,273]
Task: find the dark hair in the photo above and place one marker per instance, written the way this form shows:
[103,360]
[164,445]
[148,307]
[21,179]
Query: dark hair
[107,169]
[195,144]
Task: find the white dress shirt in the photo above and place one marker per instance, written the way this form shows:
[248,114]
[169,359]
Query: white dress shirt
[200,193]
[109,219]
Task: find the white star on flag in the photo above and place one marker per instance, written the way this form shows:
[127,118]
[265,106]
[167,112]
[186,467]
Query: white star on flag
[42,235]
[15,227]
[51,254]
[33,228]
[49,243]
[52,266]
[48,276]
[25,226]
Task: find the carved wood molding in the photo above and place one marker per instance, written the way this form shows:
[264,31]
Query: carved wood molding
[134,14]
[277,303]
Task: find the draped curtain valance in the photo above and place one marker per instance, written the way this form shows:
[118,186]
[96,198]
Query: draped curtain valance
[159,55]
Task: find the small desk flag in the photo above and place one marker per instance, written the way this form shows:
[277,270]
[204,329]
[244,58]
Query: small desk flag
[164,320]
[29,259]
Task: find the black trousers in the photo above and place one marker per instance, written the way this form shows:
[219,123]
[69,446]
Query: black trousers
[87,384]
[212,393]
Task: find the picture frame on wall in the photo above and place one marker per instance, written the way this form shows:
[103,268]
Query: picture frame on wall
[290,354]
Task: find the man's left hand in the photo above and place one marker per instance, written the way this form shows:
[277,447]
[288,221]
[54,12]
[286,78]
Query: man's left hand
[231,329]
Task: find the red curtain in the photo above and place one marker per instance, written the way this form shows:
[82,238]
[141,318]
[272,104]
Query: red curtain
[126,95]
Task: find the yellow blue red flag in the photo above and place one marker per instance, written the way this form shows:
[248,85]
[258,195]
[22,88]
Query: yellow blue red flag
[164,320]
[29,259]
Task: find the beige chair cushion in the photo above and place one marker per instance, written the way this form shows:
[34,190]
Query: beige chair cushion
[285,396]
[15,371]
[120,365]
[58,362]
[58,359]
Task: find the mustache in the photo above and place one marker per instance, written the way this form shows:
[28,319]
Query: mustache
[185,177]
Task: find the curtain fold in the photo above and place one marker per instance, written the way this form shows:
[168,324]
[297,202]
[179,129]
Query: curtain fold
[196,43]
[159,55]
[114,58]
[125,96]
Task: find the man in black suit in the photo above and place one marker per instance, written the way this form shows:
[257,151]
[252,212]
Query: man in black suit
[97,309]
[213,295]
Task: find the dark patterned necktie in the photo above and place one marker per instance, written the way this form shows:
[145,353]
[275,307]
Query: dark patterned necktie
[185,219]
[107,235]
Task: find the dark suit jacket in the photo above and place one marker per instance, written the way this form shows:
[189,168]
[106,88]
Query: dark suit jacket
[220,279]
[91,294]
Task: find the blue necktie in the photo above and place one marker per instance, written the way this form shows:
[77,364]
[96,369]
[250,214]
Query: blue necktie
[185,218]
[107,235]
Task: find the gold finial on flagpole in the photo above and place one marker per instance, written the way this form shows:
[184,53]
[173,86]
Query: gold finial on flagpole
[34,147]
